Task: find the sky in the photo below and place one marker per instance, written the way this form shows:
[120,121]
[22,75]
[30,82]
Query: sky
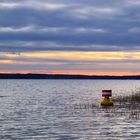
[93,37]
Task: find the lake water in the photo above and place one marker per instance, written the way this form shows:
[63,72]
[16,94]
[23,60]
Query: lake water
[64,110]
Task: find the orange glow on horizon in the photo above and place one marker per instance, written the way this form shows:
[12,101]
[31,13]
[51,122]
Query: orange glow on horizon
[64,62]
[74,72]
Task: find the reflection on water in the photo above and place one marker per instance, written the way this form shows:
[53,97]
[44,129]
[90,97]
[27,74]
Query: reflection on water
[64,110]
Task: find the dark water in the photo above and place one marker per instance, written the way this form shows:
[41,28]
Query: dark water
[63,110]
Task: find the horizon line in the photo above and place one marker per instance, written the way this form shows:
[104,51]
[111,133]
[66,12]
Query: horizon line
[1,73]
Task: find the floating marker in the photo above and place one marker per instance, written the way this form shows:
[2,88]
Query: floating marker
[106,101]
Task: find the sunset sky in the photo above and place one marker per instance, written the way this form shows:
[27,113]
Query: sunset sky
[94,37]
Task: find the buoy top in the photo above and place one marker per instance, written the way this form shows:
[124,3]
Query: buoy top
[104,90]
[106,93]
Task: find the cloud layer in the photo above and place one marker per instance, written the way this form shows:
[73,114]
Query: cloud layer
[70,36]
[69,25]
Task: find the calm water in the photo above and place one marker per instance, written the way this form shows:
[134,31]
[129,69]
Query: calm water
[61,110]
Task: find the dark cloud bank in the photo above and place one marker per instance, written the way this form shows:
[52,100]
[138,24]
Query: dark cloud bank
[69,25]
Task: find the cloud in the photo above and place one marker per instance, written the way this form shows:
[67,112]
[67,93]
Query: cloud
[38,5]
[72,62]
[39,29]
[70,36]
[86,12]
[69,25]
[32,46]
[8,5]
[134,30]
[133,2]
[12,29]
[29,29]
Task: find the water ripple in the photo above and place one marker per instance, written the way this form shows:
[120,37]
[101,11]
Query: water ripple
[45,109]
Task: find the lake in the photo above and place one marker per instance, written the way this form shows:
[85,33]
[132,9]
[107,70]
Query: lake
[64,110]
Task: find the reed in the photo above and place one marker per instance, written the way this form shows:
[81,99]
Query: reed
[132,98]
[129,104]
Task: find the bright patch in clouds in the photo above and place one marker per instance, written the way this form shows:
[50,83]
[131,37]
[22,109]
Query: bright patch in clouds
[84,56]
[33,28]
[32,4]
[8,5]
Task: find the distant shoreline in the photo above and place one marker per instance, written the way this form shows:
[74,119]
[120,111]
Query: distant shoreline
[65,76]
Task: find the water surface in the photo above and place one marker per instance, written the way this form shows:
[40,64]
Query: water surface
[64,110]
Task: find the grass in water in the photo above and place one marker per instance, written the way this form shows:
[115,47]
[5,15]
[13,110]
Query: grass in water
[133,98]
[129,103]
[127,106]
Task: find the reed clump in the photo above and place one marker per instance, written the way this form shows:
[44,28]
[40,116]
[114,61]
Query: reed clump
[132,98]
[129,104]
[128,101]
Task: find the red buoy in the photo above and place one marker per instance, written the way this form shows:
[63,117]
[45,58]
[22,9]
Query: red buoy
[106,93]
